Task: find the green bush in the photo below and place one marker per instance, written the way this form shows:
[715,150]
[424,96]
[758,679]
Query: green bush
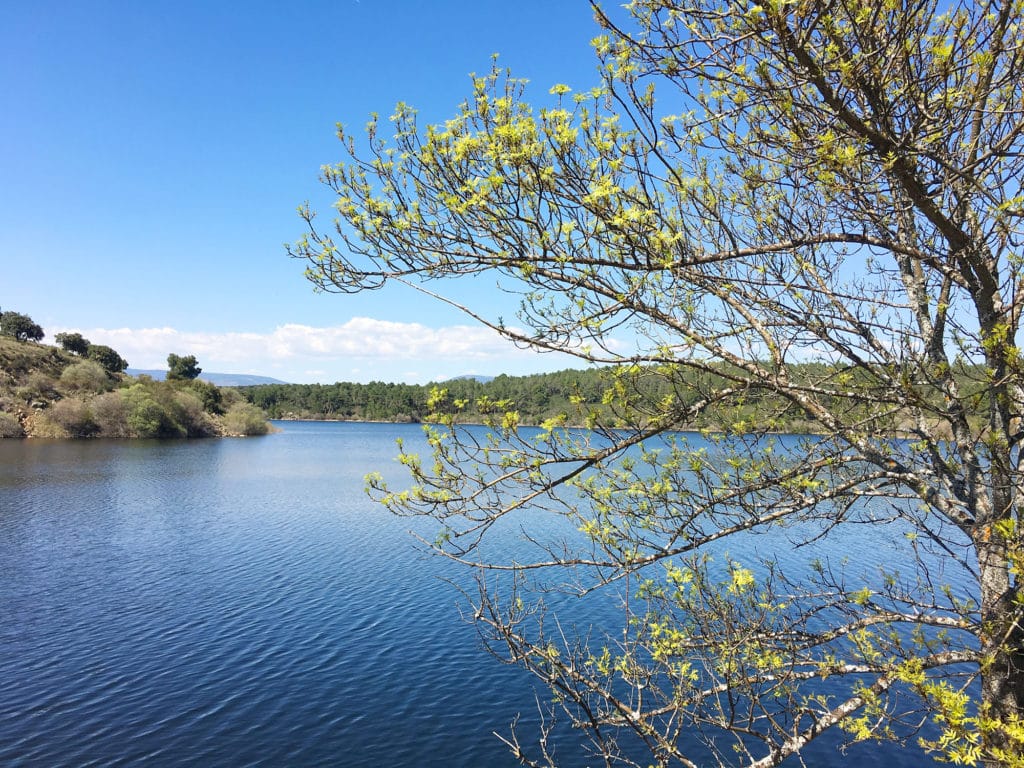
[86,376]
[146,418]
[191,416]
[245,419]
[230,397]
[209,394]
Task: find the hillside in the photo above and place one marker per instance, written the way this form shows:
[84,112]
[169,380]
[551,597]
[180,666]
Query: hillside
[19,358]
[47,392]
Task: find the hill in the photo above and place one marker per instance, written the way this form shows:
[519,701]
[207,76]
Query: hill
[21,358]
[220,379]
[48,392]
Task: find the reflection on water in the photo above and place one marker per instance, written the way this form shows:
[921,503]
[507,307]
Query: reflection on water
[234,602]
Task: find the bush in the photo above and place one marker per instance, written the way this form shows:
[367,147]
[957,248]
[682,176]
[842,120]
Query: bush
[146,418]
[10,426]
[86,376]
[230,397]
[74,417]
[38,386]
[44,426]
[209,394]
[110,412]
[191,416]
[245,419]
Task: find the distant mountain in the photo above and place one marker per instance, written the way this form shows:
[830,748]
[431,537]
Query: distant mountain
[220,379]
[238,379]
[474,377]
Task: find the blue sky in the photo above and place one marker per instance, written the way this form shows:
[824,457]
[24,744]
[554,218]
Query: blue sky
[153,154]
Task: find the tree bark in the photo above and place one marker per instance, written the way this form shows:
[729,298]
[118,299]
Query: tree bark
[1002,671]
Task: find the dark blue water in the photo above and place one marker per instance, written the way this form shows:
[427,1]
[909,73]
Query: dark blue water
[230,602]
[237,603]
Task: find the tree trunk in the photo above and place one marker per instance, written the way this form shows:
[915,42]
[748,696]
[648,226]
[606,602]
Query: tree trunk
[1002,681]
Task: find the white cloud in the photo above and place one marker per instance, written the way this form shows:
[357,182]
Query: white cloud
[359,350]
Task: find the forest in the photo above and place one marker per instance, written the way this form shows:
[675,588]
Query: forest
[584,397]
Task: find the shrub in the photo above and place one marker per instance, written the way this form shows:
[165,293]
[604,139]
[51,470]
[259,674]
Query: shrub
[73,416]
[44,426]
[110,412]
[10,426]
[244,419]
[86,376]
[209,393]
[230,397]
[38,386]
[146,418]
[191,416]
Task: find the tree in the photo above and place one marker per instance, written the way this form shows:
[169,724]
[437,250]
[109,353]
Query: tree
[73,342]
[749,187]
[183,368]
[20,327]
[107,357]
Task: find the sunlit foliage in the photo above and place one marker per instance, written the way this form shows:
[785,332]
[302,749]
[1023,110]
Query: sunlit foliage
[748,187]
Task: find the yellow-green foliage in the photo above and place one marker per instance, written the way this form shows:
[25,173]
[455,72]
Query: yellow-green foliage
[750,188]
[147,417]
[966,737]
[189,413]
[45,427]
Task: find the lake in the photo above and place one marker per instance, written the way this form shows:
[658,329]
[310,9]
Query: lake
[239,603]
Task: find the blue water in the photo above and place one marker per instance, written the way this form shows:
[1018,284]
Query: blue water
[238,603]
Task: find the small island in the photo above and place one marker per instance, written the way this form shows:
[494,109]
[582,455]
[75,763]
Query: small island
[80,390]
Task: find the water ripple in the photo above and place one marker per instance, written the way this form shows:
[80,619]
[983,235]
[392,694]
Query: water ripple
[231,603]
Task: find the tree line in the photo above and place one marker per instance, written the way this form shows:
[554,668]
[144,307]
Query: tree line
[537,396]
[584,397]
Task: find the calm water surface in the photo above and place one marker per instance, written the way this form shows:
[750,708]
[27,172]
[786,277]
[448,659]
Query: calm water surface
[236,603]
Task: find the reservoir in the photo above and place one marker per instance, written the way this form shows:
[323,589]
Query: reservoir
[242,602]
